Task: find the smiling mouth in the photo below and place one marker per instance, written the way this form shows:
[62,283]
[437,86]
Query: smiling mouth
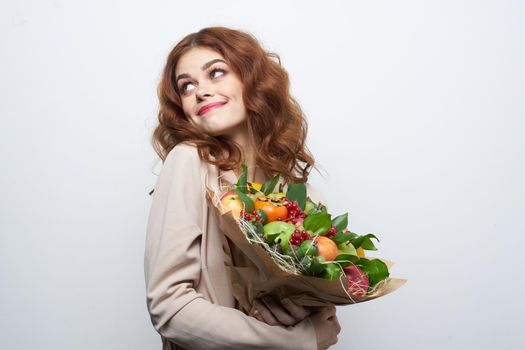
[210,107]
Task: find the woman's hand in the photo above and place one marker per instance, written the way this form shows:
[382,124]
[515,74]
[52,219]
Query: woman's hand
[275,313]
[326,326]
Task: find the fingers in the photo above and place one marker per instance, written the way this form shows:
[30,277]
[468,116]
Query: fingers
[278,311]
[337,326]
[298,312]
[263,314]
[288,313]
[332,317]
[329,311]
[329,314]
[269,314]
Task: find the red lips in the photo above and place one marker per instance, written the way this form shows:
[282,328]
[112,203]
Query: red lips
[209,106]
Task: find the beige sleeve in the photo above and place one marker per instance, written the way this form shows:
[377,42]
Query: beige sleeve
[172,266]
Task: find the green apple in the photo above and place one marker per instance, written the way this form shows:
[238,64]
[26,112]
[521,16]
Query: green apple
[309,206]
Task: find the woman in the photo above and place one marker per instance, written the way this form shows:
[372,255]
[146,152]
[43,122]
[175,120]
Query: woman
[223,101]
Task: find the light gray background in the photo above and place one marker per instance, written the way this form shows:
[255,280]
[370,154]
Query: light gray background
[416,112]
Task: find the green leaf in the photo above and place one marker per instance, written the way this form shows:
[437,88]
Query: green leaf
[332,271]
[269,185]
[305,263]
[307,248]
[316,266]
[375,269]
[248,203]
[341,222]
[264,216]
[341,237]
[352,259]
[365,242]
[297,192]
[241,182]
[318,223]
[253,190]
[347,248]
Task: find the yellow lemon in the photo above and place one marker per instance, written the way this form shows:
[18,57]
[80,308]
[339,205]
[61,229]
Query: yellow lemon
[360,252]
[255,185]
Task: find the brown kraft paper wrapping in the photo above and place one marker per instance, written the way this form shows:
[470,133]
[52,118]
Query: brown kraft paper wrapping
[255,274]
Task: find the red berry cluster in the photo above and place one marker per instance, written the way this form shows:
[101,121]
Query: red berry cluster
[299,236]
[332,232]
[253,216]
[294,212]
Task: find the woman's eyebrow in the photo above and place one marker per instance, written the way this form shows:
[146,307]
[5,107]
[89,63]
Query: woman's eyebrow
[206,65]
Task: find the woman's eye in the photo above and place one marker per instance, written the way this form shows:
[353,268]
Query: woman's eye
[217,70]
[183,87]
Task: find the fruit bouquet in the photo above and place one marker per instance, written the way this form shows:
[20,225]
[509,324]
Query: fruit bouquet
[287,245]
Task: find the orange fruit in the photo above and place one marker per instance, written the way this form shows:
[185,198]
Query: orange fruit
[272,211]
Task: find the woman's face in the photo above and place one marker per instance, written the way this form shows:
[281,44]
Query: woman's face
[211,93]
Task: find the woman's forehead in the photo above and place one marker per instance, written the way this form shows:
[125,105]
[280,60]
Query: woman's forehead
[195,58]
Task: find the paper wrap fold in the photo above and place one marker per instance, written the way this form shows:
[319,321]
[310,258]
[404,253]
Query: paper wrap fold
[255,274]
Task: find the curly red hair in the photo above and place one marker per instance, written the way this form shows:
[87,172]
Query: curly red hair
[275,120]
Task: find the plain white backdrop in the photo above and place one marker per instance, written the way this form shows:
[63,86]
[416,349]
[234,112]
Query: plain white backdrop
[416,114]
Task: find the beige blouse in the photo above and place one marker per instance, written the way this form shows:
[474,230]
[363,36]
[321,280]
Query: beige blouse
[188,291]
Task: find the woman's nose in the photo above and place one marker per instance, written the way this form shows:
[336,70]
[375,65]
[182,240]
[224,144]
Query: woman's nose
[203,91]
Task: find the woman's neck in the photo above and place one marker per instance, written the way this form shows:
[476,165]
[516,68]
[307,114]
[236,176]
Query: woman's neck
[248,152]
